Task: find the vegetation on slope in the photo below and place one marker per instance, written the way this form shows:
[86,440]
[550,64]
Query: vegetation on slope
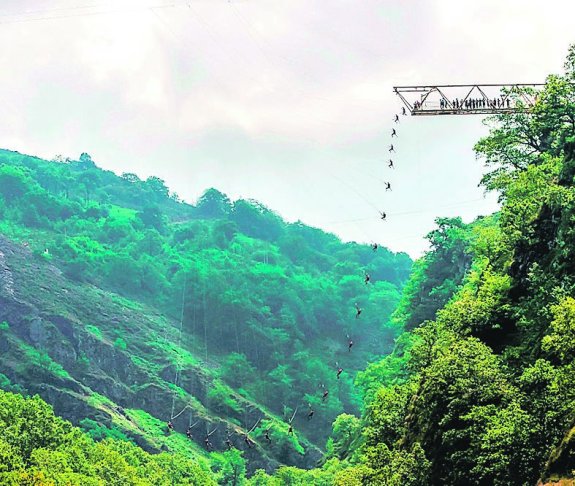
[161,302]
[36,447]
[479,391]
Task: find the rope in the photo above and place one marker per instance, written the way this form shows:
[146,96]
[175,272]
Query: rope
[179,361]
[181,412]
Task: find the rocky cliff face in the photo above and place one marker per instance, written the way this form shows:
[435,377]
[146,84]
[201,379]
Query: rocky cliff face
[92,354]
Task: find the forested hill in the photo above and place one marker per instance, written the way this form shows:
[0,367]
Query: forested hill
[124,307]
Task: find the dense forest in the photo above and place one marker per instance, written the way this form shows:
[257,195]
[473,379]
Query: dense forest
[240,316]
[124,308]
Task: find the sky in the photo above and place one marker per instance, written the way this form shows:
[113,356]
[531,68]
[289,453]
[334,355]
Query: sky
[287,102]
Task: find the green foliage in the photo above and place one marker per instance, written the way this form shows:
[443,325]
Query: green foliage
[397,467]
[221,398]
[561,338]
[7,385]
[35,357]
[279,295]
[346,429]
[4,326]
[94,330]
[229,467]
[237,370]
[477,391]
[120,343]
[36,444]
[99,431]
[437,276]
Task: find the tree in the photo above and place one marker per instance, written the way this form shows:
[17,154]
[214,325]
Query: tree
[152,217]
[157,187]
[229,467]
[213,204]
[86,162]
[346,429]
[14,183]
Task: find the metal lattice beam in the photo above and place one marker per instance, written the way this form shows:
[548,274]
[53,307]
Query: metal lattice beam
[468,99]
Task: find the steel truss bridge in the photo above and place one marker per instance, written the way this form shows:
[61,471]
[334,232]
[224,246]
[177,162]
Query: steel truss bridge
[468,99]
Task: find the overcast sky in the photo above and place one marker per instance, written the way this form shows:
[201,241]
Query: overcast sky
[285,101]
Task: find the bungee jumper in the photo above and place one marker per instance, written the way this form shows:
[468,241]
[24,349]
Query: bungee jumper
[374,246]
[249,442]
[391,149]
[390,164]
[339,371]
[267,435]
[290,429]
[403,112]
[310,413]
[207,443]
[170,426]
[325,392]
[349,343]
[396,119]
[383,213]
[393,133]
[189,429]
[367,278]
[387,188]
[228,442]
[357,311]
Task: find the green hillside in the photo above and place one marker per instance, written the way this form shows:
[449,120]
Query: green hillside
[124,307]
